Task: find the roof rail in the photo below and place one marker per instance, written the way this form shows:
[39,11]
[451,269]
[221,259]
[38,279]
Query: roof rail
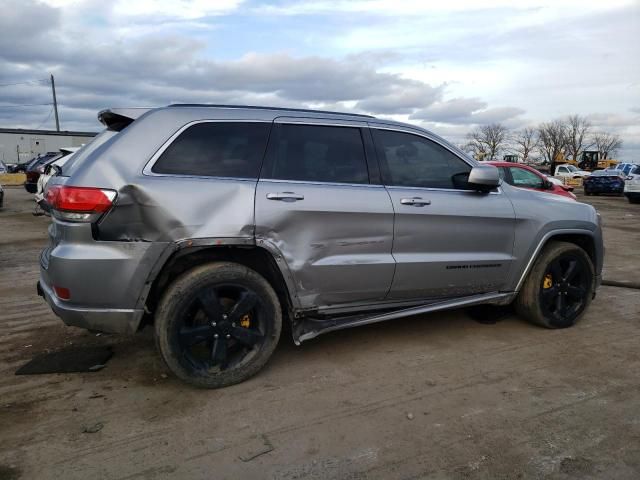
[284,109]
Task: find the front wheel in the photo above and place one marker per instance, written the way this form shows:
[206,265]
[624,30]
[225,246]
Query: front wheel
[559,287]
[218,324]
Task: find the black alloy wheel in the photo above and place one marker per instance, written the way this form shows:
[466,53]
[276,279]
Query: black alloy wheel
[559,287]
[218,324]
[221,327]
[565,287]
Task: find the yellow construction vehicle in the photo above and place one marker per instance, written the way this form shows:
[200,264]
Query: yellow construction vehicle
[588,160]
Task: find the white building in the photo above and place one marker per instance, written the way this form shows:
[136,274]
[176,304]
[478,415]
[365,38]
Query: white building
[20,145]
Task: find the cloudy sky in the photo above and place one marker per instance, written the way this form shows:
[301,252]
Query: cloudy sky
[445,65]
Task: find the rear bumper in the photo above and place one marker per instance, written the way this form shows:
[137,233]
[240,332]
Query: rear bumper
[106,282]
[107,320]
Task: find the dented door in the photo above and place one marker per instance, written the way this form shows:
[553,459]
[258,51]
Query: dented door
[335,236]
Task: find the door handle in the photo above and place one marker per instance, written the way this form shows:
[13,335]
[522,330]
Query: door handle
[415,201]
[285,196]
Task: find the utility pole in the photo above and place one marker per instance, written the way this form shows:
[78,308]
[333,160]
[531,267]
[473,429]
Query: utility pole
[55,103]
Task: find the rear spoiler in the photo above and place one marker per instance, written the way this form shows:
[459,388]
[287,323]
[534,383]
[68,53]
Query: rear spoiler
[118,118]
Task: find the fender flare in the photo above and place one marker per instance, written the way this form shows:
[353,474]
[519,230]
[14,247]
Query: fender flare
[201,243]
[543,241]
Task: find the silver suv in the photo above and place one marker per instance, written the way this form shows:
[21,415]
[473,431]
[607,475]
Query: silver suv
[219,224]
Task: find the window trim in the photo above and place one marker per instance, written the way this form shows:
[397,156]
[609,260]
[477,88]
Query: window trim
[147,169]
[429,138]
[275,132]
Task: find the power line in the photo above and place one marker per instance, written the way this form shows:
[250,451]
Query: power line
[25,105]
[27,82]
[46,119]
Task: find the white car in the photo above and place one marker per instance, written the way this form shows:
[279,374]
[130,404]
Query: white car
[50,171]
[632,185]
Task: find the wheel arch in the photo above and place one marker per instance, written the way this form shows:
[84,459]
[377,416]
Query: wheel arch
[191,254]
[584,239]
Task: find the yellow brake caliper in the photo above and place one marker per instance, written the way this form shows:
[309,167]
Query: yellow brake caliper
[548,281]
[245,321]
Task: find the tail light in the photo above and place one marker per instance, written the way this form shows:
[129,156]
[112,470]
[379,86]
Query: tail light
[79,204]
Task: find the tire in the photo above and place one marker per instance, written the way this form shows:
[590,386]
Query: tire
[218,324]
[634,199]
[562,304]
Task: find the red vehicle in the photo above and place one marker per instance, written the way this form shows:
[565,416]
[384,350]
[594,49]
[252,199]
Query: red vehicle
[525,176]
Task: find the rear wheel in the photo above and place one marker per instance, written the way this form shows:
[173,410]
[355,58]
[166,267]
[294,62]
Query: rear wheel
[633,199]
[559,287]
[218,324]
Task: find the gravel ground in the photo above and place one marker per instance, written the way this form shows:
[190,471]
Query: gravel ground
[433,396]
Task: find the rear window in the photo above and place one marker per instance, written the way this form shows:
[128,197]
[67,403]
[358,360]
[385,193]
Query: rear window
[231,149]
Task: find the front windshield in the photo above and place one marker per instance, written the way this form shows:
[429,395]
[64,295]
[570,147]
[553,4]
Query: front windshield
[572,168]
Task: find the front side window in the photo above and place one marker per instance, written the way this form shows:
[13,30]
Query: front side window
[225,149]
[524,178]
[409,160]
[317,153]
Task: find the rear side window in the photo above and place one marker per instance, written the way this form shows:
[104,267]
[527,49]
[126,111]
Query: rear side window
[409,160]
[225,149]
[316,153]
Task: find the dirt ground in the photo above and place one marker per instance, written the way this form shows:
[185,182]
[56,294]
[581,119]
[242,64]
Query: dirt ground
[434,396]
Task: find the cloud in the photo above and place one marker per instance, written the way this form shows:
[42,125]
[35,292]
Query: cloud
[465,111]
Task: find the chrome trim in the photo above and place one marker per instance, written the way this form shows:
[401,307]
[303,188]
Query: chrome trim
[541,244]
[305,182]
[459,302]
[454,190]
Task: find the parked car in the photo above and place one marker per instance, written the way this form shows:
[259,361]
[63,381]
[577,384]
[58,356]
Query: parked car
[604,181]
[570,171]
[35,167]
[632,184]
[3,168]
[624,167]
[523,176]
[218,224]
[11,167]
[52,168]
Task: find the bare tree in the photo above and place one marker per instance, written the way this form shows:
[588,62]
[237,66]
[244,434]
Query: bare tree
[577,131]
[607,143]
[525,142]
[487,140]
[475,146]
[552,140]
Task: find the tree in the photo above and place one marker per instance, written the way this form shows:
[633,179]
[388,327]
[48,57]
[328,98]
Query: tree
[607,143]
[552,140]
[487,141]
[577,131]
[525,141]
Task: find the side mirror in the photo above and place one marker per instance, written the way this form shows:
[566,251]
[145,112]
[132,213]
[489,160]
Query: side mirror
[547,185]
[484,179]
